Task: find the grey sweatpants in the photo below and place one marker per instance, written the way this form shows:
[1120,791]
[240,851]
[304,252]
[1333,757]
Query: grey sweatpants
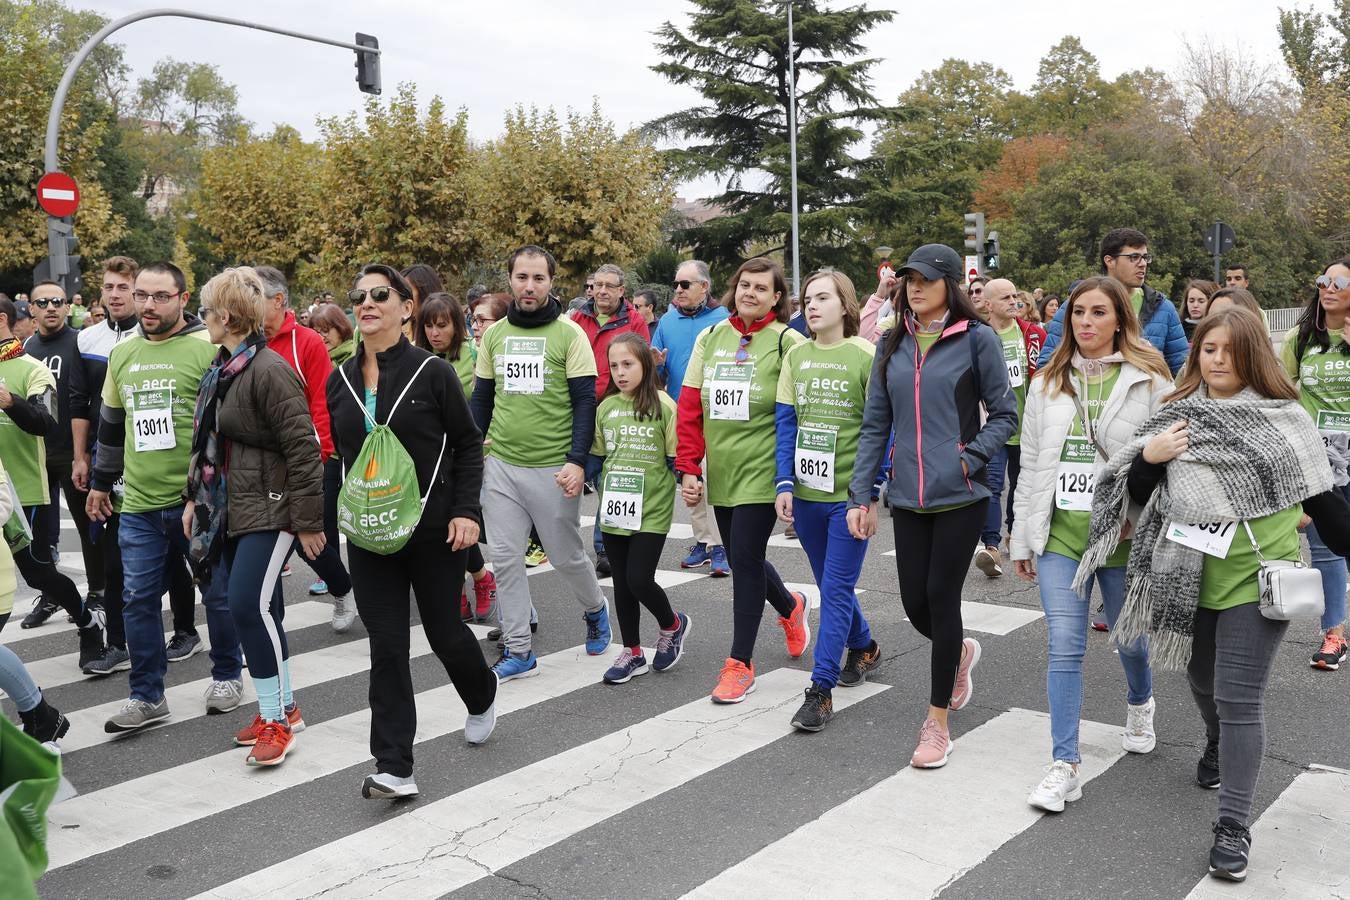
[1231,658]
[514,498]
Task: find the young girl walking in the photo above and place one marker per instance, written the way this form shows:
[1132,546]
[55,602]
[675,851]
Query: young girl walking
[635,446]
[822,389]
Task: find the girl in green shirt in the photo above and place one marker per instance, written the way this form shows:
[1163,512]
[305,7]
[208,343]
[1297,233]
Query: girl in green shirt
[635,449]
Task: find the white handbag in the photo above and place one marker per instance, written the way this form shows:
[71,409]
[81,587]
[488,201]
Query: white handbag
[1289,589]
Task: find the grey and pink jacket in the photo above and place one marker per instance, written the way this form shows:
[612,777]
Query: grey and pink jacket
[932,402]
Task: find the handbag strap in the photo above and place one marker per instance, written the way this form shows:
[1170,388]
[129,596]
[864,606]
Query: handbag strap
[1255,546]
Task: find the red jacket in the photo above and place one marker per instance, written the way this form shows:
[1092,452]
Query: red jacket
[1034,337]
[625,318]
[307,354]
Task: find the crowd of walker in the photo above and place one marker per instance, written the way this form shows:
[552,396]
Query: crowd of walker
[1171,461]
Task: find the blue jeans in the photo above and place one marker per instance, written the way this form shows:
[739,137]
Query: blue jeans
[1066,618]
[15,682]
[836,559]
[1009,458]
[145,540]
[1332,568]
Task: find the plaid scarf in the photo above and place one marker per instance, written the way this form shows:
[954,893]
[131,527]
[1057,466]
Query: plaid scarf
[1247,457]
[208,470]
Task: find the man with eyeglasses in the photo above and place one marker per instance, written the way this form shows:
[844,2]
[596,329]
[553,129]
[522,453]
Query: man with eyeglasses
[604,317]
[692,310]
[145,439]
[56,345]
[27,418]
[1125,257]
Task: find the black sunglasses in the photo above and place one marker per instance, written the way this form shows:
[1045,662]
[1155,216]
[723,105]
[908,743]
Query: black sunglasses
[683,285]
[380,294]
[48,301]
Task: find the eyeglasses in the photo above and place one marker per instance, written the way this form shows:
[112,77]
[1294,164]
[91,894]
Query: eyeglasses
[380,294]
[606,285]
[49,301]
[1325,282]
[743,351]
[683,285]
[480,321]
[1137,258]
[159,297]
[976,291]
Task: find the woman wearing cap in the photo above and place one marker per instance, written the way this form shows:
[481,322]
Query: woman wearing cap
[933,370]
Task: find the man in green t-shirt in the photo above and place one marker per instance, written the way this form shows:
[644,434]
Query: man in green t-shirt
[1022,342]
[27,416]
[534,399]
[145,437]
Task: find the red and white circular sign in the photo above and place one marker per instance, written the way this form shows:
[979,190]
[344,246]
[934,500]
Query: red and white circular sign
[58,194]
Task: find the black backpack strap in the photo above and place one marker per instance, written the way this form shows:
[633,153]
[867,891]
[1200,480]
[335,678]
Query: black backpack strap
[974,358]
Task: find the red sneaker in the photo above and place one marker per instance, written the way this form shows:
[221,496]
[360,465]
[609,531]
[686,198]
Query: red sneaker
[275,740]
[796,629]
[247,737]
[485,594]
[735,681]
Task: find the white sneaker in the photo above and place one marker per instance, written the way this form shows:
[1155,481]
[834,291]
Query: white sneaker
[987,561]
[344,613]
[478,728]
[224,696]
[1139,736]
[1059,786]
[383,786]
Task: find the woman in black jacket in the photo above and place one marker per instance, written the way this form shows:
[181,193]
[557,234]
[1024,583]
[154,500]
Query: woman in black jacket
[434,425]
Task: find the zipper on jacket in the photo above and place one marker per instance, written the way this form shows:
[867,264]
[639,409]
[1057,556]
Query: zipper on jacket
[918,412]
[961,448]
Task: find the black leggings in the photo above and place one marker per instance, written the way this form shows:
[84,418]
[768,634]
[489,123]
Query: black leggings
[329,565]
[182,598]
[39,571]
[633,560]
[932,563]
[60,482]
[745,534]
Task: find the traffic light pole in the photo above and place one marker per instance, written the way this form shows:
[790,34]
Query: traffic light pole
[56,236]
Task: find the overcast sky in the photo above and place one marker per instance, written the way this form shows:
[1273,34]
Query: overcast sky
[490,56]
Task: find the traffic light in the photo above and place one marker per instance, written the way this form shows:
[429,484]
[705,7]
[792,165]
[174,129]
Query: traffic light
[368,64]
[62,265]
[975,232]
[991,251]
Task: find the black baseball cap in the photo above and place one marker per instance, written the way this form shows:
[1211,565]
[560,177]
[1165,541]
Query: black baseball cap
[936,261]
[21,310]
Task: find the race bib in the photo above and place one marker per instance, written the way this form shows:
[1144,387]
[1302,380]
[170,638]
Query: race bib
[622,505]
[815,459]
[1331,420]
[524,365]
[730,392]
[1076,478]
[1213,538]
[1013,360]
[152,419]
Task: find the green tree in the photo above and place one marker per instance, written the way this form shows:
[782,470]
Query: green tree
[735,54]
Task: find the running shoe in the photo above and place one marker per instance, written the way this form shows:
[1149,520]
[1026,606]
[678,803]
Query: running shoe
[697,558]
[1139,736]
[720,567]
[964,688]
[42,610]
[224,696]
[735,681]
[183,645]
[344,613]
[93,638]
[597,630]
[670,644]
[626,667]
[383,786]
[935,745]
[509,666]
[485,595]
[987,561]
[816,710]
[534,555]
[1329,657]
[796,628]
[1207,769]
[137,714]
[275,740]
[857,663]
[478,727]
[114,659]
[248,735]
[1059,786]
[318,588]
[1232,846]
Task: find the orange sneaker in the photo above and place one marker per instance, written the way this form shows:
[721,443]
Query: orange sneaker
[737,680]
[796,629]
[247,737]
[275,740]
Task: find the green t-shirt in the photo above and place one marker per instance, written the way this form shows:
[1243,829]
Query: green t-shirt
[1069,527]
[532,411]
[464,366]
[1231,581]
[25,455]
[828,387]
[637,453]
[1323,380]
[738,408]
[1137,301]
[926,340]
[1015,358]
[156,383]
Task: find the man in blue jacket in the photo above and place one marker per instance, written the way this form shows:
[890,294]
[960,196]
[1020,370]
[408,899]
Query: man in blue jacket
[691,312]
[1125,257]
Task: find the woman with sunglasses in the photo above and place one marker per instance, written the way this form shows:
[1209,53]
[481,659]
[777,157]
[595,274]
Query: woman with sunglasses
[933,371]
[1317,358]
[727,414]
[433,423]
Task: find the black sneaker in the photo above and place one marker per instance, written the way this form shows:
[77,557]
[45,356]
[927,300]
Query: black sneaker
[93,638]
[816,710]
[44,724]
[1228,856]
[1207,769]
[602,569]
[42,611]
[114,659]
[183,645]
[857,664]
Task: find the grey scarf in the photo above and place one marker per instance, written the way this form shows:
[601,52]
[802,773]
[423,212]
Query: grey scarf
[1247,457]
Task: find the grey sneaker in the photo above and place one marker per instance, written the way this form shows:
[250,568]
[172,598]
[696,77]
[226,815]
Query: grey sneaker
[224,696]
[136,714]
[344,613]
[183,645]
[478,728]
[383,786]
[114,659]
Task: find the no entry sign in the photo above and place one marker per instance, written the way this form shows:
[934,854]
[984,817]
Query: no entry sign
[58,194]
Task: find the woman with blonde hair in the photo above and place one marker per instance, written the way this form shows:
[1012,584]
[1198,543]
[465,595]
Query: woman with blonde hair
[1101,383]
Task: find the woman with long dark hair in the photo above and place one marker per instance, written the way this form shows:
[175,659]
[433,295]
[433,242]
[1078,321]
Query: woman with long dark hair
[933,371]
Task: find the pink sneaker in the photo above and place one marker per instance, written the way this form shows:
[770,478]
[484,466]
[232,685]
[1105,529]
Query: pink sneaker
[965,685]
[935,744]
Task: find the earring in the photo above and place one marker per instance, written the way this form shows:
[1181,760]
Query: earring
[1321,311]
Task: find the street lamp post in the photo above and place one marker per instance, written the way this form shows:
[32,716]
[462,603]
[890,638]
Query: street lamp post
[792,145]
